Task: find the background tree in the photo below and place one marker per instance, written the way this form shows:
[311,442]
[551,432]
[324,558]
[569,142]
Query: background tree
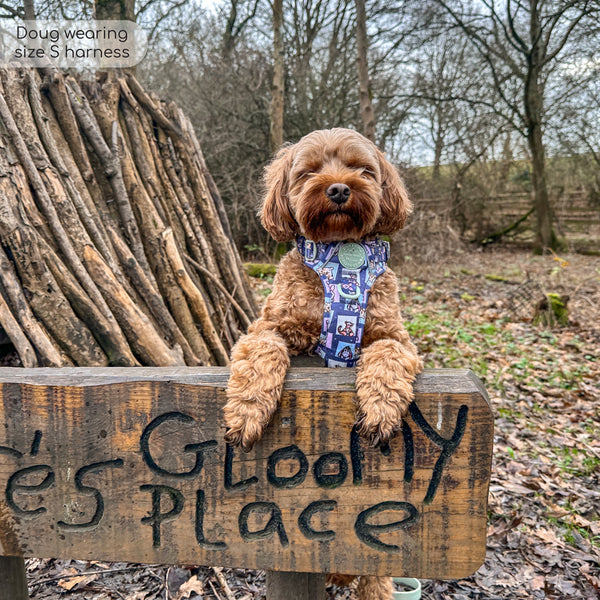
[364,86]
[117,10]
[521,43]
[277,88]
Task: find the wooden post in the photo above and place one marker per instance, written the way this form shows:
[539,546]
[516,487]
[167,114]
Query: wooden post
[13,582]
[310,497]
[286,585]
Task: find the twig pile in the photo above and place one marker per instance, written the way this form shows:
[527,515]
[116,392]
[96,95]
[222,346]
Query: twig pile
[115,248]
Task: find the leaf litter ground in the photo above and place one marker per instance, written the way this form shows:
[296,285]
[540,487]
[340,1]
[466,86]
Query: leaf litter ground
[544,385]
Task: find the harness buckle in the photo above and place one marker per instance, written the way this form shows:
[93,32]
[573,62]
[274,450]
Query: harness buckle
[310,250]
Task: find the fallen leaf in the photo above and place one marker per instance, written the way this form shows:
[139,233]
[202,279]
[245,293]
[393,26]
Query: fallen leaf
[191,586]
[75,583]
[538,583]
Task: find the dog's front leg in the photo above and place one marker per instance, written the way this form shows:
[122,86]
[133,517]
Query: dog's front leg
[387,367]
[384,377]
[259,362]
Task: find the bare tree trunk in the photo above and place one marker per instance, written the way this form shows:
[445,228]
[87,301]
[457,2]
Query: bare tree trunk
[29,6]
[545,235]
[115,10]
[534,99]
[277,90]
[437,158]
[364,88]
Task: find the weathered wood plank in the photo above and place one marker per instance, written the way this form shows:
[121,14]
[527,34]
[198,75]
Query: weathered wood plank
[129,464]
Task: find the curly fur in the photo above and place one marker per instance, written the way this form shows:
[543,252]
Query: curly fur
[296,203]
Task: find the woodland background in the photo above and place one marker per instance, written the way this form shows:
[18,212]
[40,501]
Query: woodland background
[491,110]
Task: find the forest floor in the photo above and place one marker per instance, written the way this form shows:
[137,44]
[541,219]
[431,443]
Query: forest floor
[469,310]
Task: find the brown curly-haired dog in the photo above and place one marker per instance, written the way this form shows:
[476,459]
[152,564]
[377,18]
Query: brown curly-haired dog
[333,185]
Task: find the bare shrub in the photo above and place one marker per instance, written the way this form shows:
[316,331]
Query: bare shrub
[426,237]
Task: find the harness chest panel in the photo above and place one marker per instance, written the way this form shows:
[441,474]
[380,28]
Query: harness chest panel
[347,271]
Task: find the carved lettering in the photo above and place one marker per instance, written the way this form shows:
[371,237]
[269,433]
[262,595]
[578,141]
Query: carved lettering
[367,532]
[274,524]
[157,517]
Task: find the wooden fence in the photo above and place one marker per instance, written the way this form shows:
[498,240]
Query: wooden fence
[575,217]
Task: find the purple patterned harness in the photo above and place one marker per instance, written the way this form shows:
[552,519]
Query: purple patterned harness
[347,271]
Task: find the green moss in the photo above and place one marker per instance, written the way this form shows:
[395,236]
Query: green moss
[553,311]
[260,270]
[559,308]
[494,277]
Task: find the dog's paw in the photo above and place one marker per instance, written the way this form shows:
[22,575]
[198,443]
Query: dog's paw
[244,432]
[247,415]
[379,426]
[384,377]
[258,367]
[381,408]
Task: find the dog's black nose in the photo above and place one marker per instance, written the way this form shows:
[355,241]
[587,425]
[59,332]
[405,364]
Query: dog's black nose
[338,192]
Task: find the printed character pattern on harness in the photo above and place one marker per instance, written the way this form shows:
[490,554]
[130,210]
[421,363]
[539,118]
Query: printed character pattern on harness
[347,271]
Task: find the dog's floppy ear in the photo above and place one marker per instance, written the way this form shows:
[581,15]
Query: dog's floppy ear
[276,213]
[395,205]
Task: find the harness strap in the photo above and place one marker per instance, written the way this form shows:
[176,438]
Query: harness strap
[347,271]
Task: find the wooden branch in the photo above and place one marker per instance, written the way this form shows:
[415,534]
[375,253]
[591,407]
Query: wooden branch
[230,259]
[15,334]
[184,199]
[498,235]
[49,355]
[222,246]
[152,298]
[112,170]
[141,334]
[54,86]
[195,298]
[60,235]
[186,145]
[142,97]
[218,571]
[141,143]
[110,337]
[240,311]
[92,225]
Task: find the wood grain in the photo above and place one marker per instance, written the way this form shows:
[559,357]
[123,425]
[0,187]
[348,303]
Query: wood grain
[13,580]
[283,585]
[130,465]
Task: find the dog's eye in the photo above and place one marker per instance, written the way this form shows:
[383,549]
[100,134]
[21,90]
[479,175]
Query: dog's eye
[367,172]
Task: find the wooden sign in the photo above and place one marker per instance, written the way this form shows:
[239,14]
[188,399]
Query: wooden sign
[130,465]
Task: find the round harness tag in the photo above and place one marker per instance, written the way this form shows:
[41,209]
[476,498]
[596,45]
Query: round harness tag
[351,255]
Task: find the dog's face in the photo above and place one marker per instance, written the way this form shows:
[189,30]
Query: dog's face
[333,185]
